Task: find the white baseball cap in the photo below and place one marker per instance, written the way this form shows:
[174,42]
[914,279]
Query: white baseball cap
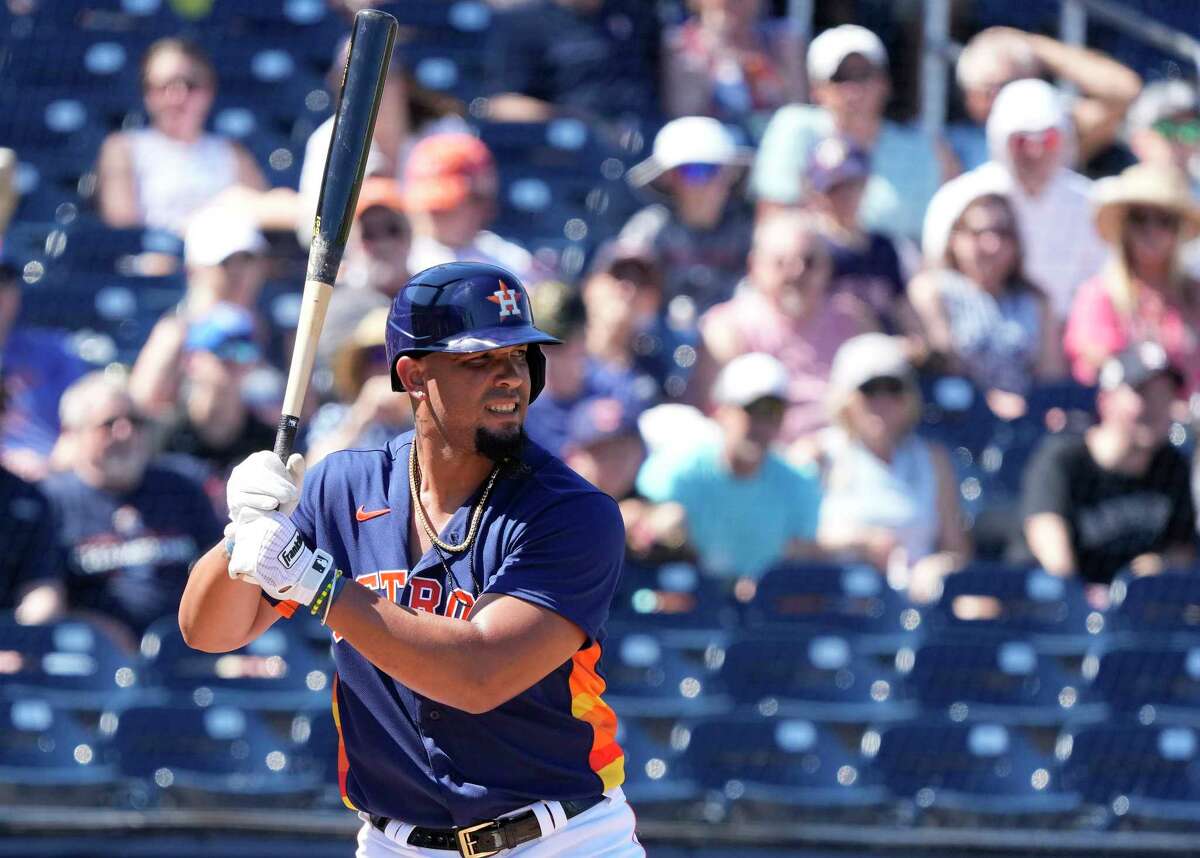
[748,378]
[831,48]
[217,233]
[689,140]
[860,359]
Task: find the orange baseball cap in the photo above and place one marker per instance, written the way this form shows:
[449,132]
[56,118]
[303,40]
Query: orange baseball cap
[379,191]
[439,170]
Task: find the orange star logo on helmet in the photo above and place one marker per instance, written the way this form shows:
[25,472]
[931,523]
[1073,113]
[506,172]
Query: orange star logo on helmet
[507,299]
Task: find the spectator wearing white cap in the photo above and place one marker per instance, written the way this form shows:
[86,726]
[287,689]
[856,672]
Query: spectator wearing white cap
[224,257]
[997,56]
[890,497]
[700,230]
[1163,127]
[848,75]
[741,506]
[1030,139]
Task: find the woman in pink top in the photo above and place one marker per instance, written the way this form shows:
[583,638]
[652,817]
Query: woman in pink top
[1146,214]
[783,308]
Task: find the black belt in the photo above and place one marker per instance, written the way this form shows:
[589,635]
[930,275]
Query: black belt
[486,838]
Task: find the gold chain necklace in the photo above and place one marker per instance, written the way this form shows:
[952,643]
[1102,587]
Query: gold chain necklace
[414,482]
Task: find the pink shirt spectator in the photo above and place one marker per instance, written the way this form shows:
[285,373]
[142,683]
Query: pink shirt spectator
[805,346]
[1096,329]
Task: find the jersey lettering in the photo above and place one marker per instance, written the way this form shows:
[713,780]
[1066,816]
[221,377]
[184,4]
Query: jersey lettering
[425,594]
[459,604]
[393,581]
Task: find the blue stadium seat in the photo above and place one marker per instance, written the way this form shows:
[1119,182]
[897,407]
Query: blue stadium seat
[655,780]
[777,768]
[1165,605]
[980,768]
[1007,681]
[88,246]
[645,677]
[218,755]
[46,757]
[1155,682]
[277,671]
[955,414]
[675,602]
[817,677]
[70,663]
[315,741]
[852,600]
[998,601]
[1143,772]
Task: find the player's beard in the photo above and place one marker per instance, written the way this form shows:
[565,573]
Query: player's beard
[500,446]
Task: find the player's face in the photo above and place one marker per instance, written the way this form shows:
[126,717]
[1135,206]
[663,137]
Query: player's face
[480,393]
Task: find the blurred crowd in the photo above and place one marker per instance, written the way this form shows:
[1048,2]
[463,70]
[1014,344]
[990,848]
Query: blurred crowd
[745,364]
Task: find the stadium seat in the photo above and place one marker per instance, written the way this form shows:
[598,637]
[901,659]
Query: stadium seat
[46,757]
[817,677]
[994,600]
[777,768]
[677,603]
[1143,772]
[315,742]
[655,780]
[646,677]
[852,600]
[955,413]
[1007,681]
[1154,682]
[203,756]
[277,671]
[1156,606]
[966,768]
[70,663]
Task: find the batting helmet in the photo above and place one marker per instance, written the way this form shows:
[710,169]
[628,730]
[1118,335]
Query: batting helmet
[463,307]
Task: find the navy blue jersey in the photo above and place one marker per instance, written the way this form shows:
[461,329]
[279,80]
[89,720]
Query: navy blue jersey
[546,536]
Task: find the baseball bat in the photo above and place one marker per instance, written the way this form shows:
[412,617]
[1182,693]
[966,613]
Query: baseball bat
[366,70]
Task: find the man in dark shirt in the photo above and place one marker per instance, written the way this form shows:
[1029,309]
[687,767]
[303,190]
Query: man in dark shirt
[1118,496]
[597,59]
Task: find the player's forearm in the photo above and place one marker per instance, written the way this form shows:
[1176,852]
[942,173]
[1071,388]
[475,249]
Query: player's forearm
[217,613]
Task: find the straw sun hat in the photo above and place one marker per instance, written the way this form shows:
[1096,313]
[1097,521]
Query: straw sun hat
[1144,185]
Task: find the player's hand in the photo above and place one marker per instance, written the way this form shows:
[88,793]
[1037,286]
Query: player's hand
[268,551]
[263,483]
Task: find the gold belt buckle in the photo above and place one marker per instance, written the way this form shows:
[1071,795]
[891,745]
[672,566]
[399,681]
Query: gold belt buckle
[466,844]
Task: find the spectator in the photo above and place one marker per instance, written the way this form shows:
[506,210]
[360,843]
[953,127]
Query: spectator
[367,412]
[1164,127]
[594,59]
[626,326]
[848,73]
[1145,214]
[891,498]
[572,378]
[375,265]
[1118,496]
[31,566]
[407,113]
[1000,55]
[738,504]
[129,527]
[701,229]
[785,310]
[982,316]
[161,175]
[450,188]
[38,365]
[603,446]
[727,62]
[223,254]
[1028,138]
[865,263]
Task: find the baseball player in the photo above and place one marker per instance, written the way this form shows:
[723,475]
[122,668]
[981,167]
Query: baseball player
[466,575]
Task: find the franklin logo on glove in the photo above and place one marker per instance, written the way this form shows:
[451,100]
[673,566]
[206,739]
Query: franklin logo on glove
[288,556]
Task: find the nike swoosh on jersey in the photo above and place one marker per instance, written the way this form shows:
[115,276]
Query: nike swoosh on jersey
[366,515]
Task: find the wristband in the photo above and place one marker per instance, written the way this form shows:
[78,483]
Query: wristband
[323,592]
[339,581]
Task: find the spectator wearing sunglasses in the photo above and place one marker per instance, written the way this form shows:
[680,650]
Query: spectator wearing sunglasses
[128,525]
[1146,214]
[982,316]
[890,497]
[1030,141]
[736,502]
[997,56]
[700,229]
[848,75]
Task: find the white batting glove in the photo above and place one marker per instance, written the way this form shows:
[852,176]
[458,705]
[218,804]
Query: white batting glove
[268,551]
[262,483]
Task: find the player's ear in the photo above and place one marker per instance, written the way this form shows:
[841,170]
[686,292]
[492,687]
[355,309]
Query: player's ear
[411,373]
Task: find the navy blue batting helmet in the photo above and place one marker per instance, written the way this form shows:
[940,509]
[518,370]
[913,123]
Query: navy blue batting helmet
[463,307]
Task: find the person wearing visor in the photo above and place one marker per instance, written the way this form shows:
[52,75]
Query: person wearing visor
[700,229]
